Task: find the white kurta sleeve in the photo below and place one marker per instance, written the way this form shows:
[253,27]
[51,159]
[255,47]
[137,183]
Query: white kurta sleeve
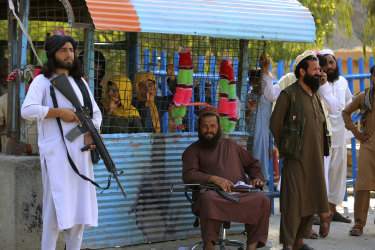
[32,108]
[271,92]
[330,101]
[348,96]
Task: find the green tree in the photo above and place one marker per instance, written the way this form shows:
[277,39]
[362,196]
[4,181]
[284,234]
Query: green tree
[324,13]
[369,32]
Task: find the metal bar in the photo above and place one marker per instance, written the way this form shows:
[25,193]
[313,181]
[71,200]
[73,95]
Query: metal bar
[280,69]
[242,79]
[146,58]
[88,58]
[12,59]
[132,54]
[361,70]
[22,86]
[69,12]
[339,64]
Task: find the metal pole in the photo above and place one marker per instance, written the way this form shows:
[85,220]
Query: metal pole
[88,58]
[243,68]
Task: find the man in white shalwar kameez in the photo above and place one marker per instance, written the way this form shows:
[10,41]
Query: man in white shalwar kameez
[338,152]
[69,202]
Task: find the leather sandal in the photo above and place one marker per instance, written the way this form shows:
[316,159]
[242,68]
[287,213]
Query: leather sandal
[357,230]
[325,224]
[338,217]
[313,235]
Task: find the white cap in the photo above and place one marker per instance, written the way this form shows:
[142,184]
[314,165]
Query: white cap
[327,52]
[301,57]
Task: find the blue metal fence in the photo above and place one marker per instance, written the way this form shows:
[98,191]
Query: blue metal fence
[159,69]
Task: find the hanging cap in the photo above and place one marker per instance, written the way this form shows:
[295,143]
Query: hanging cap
[327,52]
[299,58]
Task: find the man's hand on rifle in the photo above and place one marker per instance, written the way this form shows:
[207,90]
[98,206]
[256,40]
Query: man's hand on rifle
[68,115]
[89,141]
[221,182]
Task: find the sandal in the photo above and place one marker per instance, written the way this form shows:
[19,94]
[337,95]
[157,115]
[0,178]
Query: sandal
[313,235]
[357,230]
[306,247]
[338,217]
[325,223]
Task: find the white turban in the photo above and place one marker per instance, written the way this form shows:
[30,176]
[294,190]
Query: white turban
[327,52]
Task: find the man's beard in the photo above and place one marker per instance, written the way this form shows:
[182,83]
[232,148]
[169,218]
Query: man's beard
[312,81]
[63,65]
[331,77]
[209,143]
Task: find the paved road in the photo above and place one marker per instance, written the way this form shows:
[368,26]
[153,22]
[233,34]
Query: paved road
[337,239]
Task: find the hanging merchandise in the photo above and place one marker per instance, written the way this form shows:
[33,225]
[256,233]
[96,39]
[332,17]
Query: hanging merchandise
[227,98]
[184,88]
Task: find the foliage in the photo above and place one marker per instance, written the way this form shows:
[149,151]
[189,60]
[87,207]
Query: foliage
[324,12]
[369,32]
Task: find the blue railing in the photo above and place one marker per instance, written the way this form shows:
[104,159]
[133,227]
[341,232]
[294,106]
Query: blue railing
[158,67]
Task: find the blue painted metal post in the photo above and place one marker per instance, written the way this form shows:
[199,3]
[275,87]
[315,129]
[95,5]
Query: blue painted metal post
[146,60]
[132,54]
[353,141]
[176,59]
[270,171]
[164,88]
[361,71]
[202,89]
[371,63]
[280,69]
[154,60]
[350,71]
[235,67]
[89,61]
[163,68]
[213,82]
[339,64]
[153,68]
[22,85]
[242,81]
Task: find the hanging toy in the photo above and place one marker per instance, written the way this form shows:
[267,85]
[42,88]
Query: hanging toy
[227,98]
[232,100]
[184,88]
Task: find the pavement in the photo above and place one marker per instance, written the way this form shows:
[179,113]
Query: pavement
[338,237]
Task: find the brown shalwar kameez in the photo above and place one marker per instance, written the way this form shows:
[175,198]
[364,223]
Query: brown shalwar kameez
[303,189]
[227,160]
[366,161]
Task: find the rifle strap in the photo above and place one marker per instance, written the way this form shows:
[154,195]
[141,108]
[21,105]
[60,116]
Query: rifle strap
[53,95]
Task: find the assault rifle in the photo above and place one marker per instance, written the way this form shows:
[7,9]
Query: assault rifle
[62,83]
[205,187]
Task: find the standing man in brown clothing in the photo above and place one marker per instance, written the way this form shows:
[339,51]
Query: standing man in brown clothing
[366,161]
[298,126]
[223,162]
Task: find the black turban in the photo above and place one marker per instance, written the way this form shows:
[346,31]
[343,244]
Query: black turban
[55,42]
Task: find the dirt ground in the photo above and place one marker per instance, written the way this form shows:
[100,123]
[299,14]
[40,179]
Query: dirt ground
[338,237]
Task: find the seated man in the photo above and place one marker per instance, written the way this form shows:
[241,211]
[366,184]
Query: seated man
[119,115]
[223,162]
[150,107]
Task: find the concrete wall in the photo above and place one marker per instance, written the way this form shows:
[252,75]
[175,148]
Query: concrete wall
[21,203]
